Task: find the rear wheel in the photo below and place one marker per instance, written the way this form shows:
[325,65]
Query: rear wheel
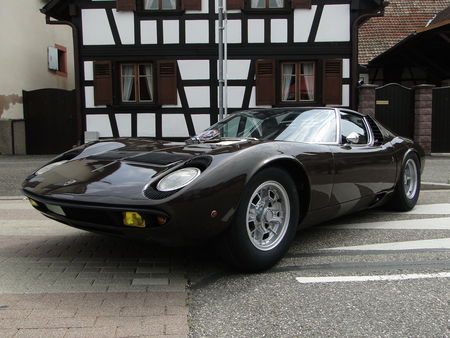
[407,190]
[265,222]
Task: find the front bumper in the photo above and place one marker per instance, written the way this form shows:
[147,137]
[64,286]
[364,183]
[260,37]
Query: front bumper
[179,229]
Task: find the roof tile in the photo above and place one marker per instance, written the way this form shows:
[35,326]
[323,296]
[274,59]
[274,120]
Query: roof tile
[401,18]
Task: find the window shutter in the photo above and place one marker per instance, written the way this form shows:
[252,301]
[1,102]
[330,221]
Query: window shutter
[192,5]
[235,4]
[102,83]
[332,82]
[305,4]
[167,82]
[265,82]
[126,5]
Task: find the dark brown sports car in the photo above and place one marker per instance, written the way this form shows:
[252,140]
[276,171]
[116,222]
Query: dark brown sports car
[250,181]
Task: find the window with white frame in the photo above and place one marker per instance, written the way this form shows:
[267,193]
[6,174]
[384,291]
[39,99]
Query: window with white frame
[136,82]
[266,4]
[159,4]
[298,81]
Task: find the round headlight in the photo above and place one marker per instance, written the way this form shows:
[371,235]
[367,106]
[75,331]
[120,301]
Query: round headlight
[178,179]
[49,167]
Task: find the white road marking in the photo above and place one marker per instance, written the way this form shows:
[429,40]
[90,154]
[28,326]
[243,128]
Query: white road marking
[410,224]
[342,279]
[438,184]
[430,209]
[35,228]
[441,243]
[9,205]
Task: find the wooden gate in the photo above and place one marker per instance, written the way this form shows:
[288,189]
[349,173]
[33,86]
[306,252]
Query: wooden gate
[440,140]
[395,108]
[50,126]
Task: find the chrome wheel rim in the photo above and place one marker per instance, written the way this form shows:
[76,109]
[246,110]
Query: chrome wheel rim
[268,215]
[410,179]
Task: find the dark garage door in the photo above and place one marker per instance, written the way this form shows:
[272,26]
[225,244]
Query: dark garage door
[49,120]
[440,142]
[395,108]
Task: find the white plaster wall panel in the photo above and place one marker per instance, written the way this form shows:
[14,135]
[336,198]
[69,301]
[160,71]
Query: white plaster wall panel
[255,31]
[278,30]
[95,27]
[345,68]
[99,123]
[334,24]
[88,70]
[174,125]
[197,97]
[194,69]
[205,8]
[171,31]
[197,31]
[233,31]
[146,125]
[124,124]
[236,69]
[235,96]
[346,95]
[201,122]
[89,97]
[178,105]
[125,26]
[303,20]
[149,32]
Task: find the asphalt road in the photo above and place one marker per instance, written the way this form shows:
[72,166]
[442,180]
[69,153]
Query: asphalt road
[413,301]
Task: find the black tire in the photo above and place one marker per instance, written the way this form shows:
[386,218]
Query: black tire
[238,246]
[402,200]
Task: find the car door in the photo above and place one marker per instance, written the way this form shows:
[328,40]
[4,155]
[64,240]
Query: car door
[363,167]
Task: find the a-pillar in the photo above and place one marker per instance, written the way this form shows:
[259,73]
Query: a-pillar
[423,115]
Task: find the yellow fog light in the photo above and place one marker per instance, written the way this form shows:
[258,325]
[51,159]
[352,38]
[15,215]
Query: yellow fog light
[34,203]
[133,219]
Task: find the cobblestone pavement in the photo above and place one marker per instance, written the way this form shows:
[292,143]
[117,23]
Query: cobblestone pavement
[56,281]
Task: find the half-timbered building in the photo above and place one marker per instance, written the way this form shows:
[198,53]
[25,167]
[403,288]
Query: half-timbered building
[149,68]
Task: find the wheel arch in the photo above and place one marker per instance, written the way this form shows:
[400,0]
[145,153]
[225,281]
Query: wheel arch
[298,173]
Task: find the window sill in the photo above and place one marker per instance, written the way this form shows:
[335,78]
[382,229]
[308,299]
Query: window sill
[260,11]
[161,12]
[296,104]
[126,107]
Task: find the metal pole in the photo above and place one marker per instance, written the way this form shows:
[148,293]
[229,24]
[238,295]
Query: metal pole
[221,81]
[225,25]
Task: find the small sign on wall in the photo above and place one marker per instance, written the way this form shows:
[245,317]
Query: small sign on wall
[382,102]
[53,63]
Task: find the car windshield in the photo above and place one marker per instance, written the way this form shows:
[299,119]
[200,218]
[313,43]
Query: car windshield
[309,125]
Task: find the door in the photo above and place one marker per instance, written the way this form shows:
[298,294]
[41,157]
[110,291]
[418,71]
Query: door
[395,109]
[50,126]
[362,169]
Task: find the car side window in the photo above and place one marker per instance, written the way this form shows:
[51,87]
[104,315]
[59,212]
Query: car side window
[352,123]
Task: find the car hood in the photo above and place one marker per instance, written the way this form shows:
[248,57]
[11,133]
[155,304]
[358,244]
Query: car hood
[118,170]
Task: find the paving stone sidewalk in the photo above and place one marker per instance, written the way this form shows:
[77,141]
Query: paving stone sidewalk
[56,281]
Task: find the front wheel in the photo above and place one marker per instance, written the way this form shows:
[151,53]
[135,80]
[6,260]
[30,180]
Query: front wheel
[407,190]
[265,222]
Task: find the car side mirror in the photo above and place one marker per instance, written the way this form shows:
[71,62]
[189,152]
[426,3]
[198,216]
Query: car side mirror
[352,138]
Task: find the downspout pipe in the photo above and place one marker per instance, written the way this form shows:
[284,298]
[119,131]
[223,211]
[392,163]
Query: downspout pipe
[76,55]
[355,50]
